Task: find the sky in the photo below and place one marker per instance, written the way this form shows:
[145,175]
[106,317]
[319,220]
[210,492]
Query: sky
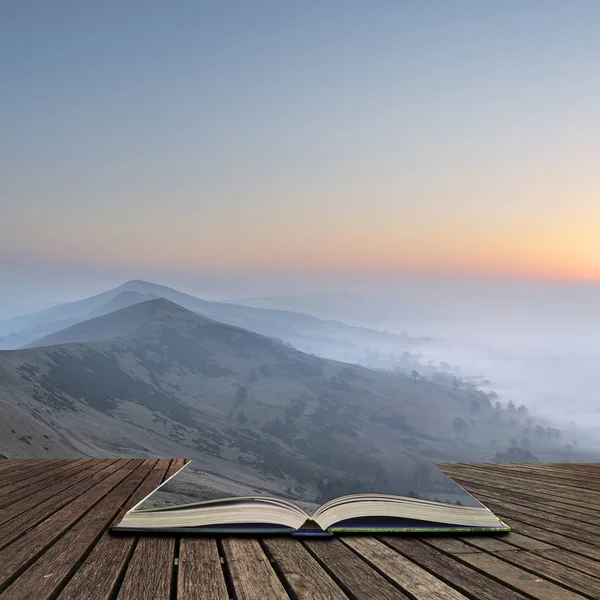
[203,139]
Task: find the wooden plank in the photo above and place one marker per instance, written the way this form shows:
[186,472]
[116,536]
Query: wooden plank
[8,487]
[15,464]
[50,572]
[20,553]
[524,581]
[19,518]
[527,482]
[151,566]
[356,577]
[454,572]
[98,576]
[539,564]
[175,466]
[557,515]
[581,563]
[162,464]
[8,463]
[28,469]
[556,539]
[469,482]
[413,579]
[574,530]
[150,570]
[26,488]
[200,574]
[252,576]
[581,513]
[566,478]
[514,541]
[301,571]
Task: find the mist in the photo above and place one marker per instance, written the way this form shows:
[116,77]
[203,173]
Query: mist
[537,343]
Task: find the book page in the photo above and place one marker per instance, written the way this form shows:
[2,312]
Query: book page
[194,483]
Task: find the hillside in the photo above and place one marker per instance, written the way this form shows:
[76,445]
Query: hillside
[160,379]
[330,339]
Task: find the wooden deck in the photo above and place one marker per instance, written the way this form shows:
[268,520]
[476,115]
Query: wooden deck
[54,543]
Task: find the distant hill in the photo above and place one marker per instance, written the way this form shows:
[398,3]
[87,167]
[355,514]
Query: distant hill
[330,339]
[159,379]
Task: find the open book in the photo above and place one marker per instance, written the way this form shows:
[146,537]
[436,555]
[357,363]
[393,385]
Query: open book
[168,509]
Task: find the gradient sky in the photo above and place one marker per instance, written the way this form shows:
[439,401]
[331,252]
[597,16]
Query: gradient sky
[457,137]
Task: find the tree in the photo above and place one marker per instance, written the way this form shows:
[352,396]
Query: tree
[513,443]
[414,375]
[526,443]
[539,431]
[511,406]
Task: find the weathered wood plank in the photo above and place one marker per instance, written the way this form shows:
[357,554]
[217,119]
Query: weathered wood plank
[556,539]
[18,518]
[581,563]
[150,570]
[50,471]
[574,530]
[355,575]
[409,576]
[200,574]
[20,553]
[582,513]
[539,564]
[528,482]
[24,489]
[30,468]
[152,565]
[101,570]
[522,580]
[49,573]
[302,572]
[252,576]
[459,575]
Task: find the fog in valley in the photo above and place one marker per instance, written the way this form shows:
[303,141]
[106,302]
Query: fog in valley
[537,343]
[532,342]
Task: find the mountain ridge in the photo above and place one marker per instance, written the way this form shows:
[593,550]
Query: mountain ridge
[175,382]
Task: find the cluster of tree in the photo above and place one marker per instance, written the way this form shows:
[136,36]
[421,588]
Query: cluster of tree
[549,432]
[514,454]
